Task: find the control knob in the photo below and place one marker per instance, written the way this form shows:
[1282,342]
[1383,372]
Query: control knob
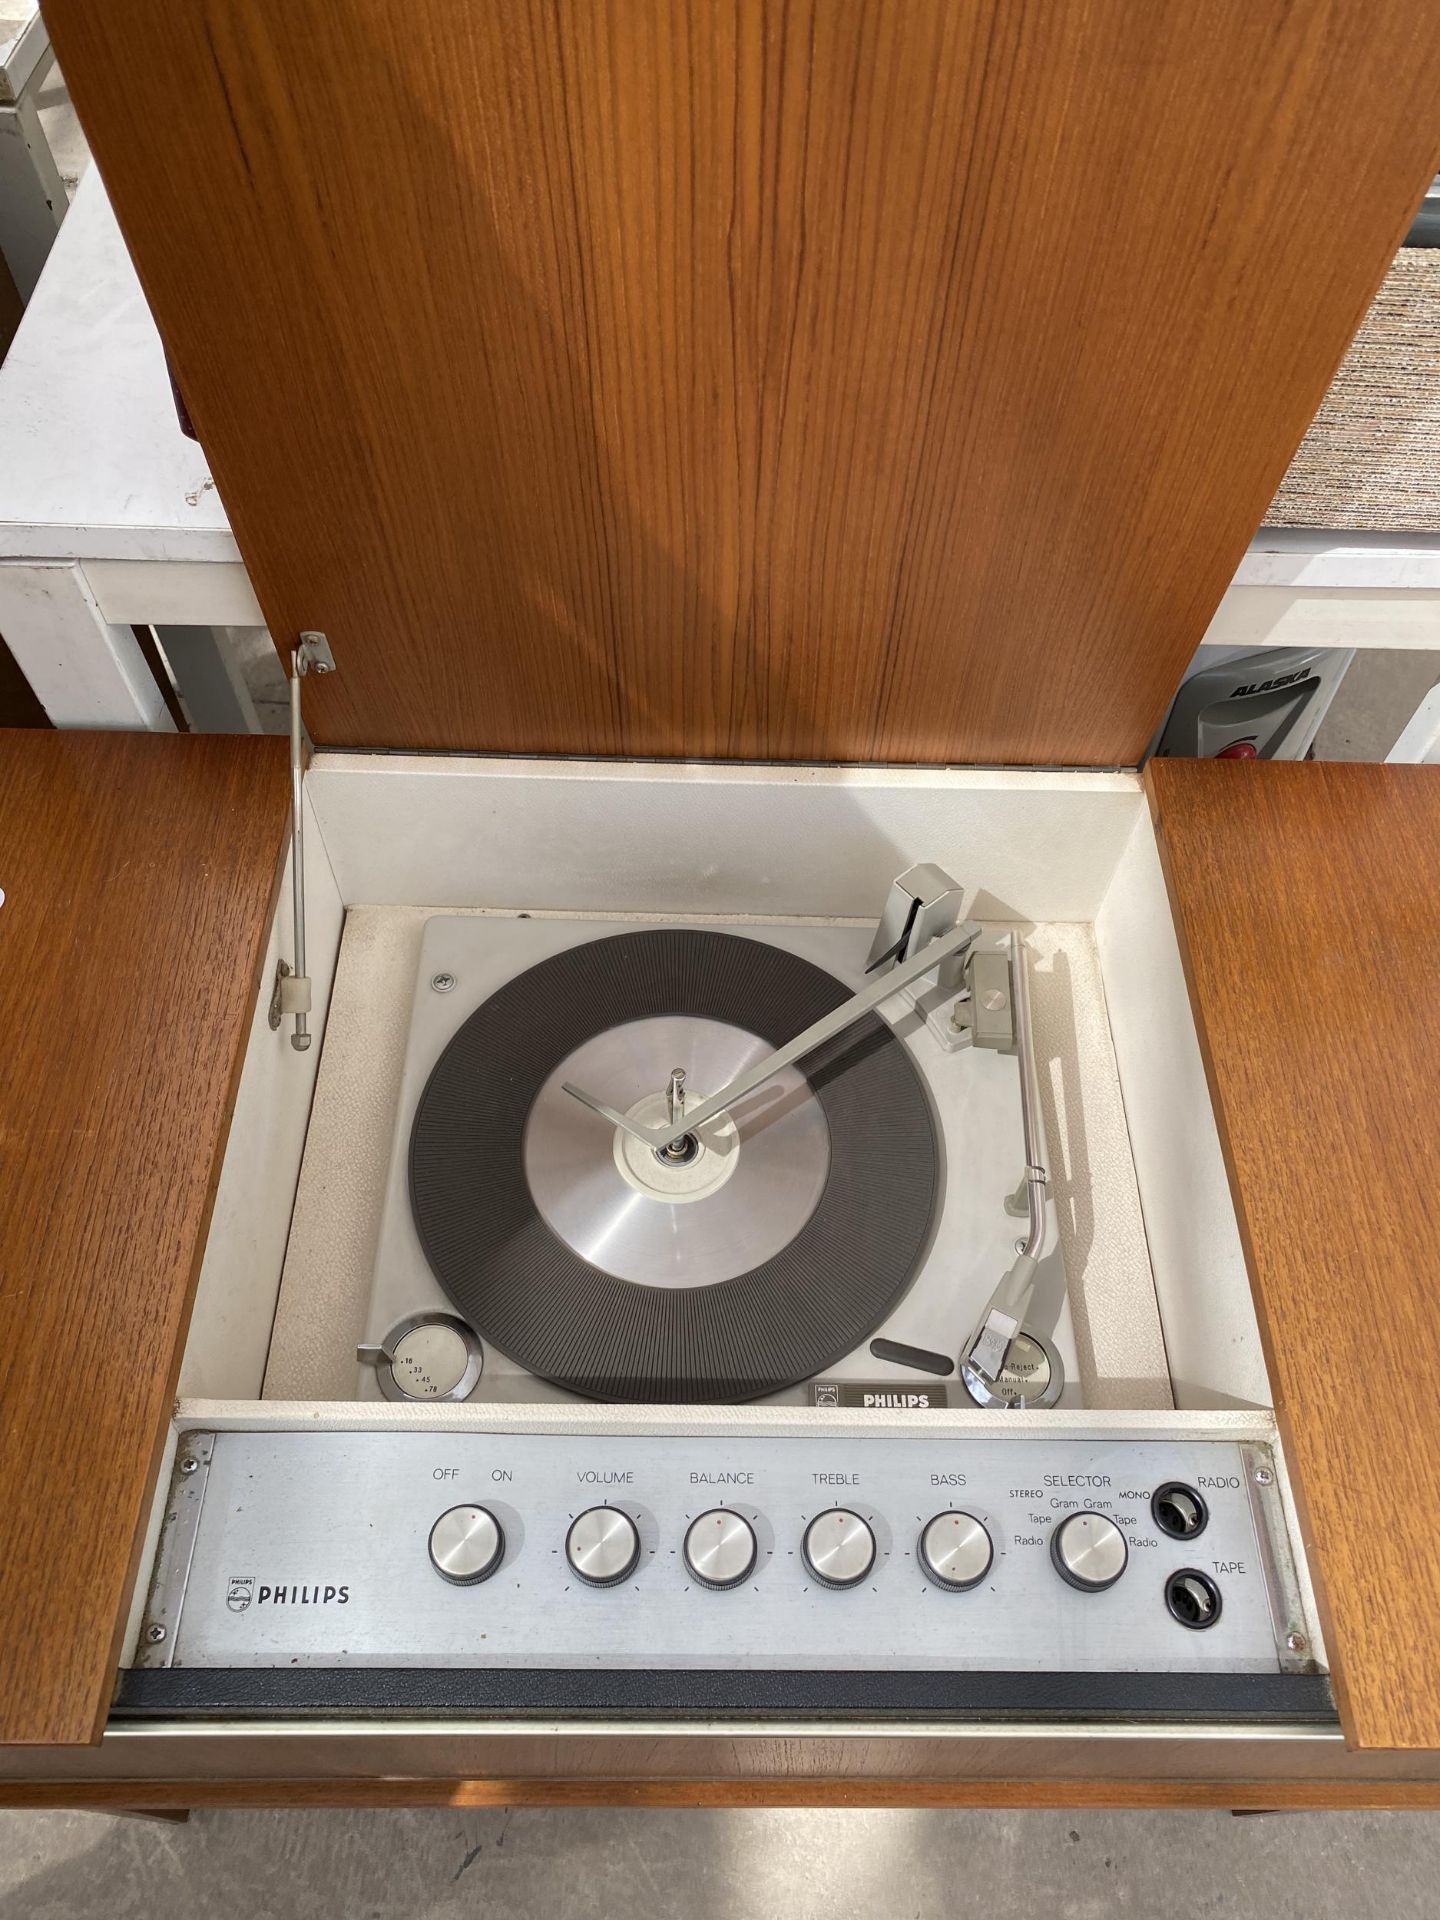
[467,1544]
[1089,1551]
[720,1548]
[955,1551]
[603,1546]
[427,1356]
[839,1548]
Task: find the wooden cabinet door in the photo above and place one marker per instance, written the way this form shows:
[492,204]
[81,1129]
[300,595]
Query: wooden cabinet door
[137,875]
[792,379]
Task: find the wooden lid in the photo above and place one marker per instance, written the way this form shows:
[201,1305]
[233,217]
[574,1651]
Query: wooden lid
[791,381]
[1307,900]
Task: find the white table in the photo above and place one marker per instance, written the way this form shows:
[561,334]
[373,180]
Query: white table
[109,517]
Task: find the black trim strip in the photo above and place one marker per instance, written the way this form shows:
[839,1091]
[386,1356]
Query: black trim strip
[432,1691]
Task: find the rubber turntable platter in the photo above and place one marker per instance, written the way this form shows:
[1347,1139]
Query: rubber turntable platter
[778,1249]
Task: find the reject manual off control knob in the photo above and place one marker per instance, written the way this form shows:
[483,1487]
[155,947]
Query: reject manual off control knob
[955,1551]
[1089,1551]
[467,1544]
[603,1546]
[720,1548]
[839,1548]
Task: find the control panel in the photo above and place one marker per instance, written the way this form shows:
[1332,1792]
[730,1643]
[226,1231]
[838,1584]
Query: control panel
[795,1553]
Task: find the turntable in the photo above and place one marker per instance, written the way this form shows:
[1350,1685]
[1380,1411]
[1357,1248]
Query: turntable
[829,1224]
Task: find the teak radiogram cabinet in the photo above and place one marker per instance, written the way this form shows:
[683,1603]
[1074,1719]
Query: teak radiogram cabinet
[733,453]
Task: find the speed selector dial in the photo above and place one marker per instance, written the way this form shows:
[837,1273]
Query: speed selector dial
[467,1544]
[955,1551]
[603,1546]
[1089,1551]
[720,1548]
[839,1548]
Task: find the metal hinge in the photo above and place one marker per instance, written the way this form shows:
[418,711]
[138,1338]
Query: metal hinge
[160,1628]
[292,985]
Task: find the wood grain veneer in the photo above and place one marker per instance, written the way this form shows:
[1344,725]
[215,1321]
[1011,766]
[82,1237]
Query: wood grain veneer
[138,873]
[1307,900]
[895,379]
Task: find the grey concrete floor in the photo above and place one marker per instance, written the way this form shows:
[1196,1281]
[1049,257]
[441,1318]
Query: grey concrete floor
[1375,700]
[562,1864]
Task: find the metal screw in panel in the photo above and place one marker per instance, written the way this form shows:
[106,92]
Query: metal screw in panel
[1263,1476]
[189,1464]
[994,1000]
[443,982]
[155,1635]
[1295,1642]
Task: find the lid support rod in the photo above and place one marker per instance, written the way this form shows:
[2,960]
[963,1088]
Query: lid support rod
[312,651]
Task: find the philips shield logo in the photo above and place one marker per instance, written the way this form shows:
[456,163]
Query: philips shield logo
[240,1592]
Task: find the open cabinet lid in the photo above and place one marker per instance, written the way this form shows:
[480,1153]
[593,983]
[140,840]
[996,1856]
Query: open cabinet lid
[895,381]
[138,875]
[1307,901]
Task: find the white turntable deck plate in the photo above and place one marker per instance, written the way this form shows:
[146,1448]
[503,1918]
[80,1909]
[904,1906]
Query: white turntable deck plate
[975,1097]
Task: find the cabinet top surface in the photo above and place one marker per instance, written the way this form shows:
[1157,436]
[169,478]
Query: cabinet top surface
[1307,901]
[138,873]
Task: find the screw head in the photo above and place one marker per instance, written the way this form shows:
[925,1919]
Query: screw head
[1263,1476]
[994,1000]
[442,982]
[189,1464]
[155,1634]
[1296,1642]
